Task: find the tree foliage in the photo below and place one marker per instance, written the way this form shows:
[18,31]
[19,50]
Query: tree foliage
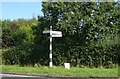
[19,40]
[90,32]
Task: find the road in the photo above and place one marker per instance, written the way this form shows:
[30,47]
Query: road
[10,76]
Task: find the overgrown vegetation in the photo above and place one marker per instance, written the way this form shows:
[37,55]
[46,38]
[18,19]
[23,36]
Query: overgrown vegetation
[90,30]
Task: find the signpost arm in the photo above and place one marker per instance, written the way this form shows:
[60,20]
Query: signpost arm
[50,55]
[52,34]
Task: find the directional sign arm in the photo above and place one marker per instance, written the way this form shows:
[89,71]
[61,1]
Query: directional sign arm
[56,32]
[46,31]
[57,35]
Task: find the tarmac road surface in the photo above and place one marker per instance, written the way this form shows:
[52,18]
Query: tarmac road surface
[10,76]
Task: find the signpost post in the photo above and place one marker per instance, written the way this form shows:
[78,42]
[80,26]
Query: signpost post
[52,34]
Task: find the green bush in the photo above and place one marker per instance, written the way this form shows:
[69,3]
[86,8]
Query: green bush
[9,56]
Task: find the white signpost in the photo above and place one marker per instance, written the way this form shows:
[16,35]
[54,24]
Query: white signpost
[52,34]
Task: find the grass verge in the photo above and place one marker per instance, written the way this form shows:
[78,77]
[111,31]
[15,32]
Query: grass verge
[61,71]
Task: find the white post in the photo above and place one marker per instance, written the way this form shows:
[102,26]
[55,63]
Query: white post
[52,34]
[50,55]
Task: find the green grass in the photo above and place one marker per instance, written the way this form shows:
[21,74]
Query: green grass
[61,71]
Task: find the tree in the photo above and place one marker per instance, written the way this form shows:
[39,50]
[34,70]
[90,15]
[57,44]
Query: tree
[0,34]
[41,42]
[87,28]
[21,51]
